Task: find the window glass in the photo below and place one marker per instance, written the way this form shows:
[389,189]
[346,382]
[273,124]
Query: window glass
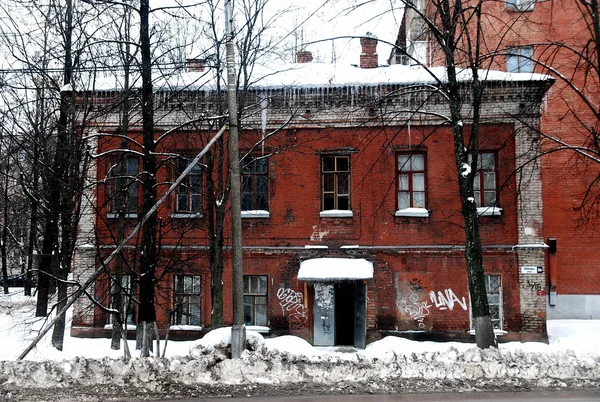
[494,295]
[411,180]
[335,181]
[189,191]
[125,190]
[254,184]
[255,300]
[187,300]
[485,180]
[127,307]
[519,60]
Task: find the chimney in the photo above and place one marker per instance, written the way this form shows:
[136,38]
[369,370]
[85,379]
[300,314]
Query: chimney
[303,56]
[368,57]
[195,65]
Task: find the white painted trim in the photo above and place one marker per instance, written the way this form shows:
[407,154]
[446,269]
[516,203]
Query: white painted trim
[256,214]
[183,215]
[498,332]
[336,213]
[130,327]
[185,328]
[258,328]
[489,211]
[127,216]
[413,212]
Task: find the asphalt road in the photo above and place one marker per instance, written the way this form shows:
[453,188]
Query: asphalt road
[537,396]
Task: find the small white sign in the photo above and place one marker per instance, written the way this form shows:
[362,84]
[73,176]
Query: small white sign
[529,269]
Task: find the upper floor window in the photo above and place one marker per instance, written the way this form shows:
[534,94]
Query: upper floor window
[520,5]
[254,184]
[187,299]
[484,183]
[255,300]
[411,181]
[125,187]
[520,60]
[189,191]
[335,180]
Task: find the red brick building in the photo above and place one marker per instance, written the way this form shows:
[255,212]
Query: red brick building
[527,36]
[351,215]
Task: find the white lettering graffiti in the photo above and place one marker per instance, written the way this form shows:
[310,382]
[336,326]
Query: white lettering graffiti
[292,305]
[445,300]
[418,311]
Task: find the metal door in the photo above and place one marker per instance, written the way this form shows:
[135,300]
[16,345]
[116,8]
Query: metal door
[360,316]
[324,315]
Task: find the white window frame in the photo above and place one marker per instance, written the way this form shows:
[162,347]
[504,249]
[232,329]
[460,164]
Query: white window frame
[523,57]
[185,296]
[500,320]
[252,293]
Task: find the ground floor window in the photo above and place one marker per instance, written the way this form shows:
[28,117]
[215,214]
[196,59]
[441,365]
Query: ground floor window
[493,289]
[187,299]
[122,299]
[255,300]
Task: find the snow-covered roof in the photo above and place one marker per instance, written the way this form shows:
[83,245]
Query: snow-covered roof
[322,75]
[335,269]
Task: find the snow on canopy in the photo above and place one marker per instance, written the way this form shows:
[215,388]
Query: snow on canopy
[335,269]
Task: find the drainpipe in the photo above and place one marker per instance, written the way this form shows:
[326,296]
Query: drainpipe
[552,271]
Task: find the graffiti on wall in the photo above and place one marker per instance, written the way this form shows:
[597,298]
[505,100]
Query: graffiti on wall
[533,286]
[292,305]
[445,300]
[418,310]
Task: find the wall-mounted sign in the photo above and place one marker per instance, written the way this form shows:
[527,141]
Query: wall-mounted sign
[531,269]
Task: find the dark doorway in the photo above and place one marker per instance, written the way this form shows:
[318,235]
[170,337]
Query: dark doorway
[344,313]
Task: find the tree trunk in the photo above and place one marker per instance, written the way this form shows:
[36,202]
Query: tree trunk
[4,234]
[148,258]
[31,243]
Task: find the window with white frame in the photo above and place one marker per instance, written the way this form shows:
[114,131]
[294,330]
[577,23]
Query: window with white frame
[255,300]
[520,5]
[520,60]
[335,179]
[493,288]
[411,181]
[187,295]
[189,191]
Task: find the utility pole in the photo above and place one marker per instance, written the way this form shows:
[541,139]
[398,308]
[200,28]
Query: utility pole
[238,330]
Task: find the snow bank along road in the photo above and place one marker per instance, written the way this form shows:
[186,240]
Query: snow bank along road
[264,370]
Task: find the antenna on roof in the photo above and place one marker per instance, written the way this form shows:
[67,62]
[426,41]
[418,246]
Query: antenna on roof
[333,55]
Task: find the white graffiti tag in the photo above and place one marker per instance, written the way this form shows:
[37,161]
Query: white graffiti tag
[418,311]
[445,300]
[292,305]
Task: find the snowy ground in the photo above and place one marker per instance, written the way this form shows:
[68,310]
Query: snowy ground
[285,364]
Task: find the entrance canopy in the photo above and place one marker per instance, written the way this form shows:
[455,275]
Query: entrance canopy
[332,269]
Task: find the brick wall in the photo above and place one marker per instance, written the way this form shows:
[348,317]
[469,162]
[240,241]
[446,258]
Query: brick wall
[369,124]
